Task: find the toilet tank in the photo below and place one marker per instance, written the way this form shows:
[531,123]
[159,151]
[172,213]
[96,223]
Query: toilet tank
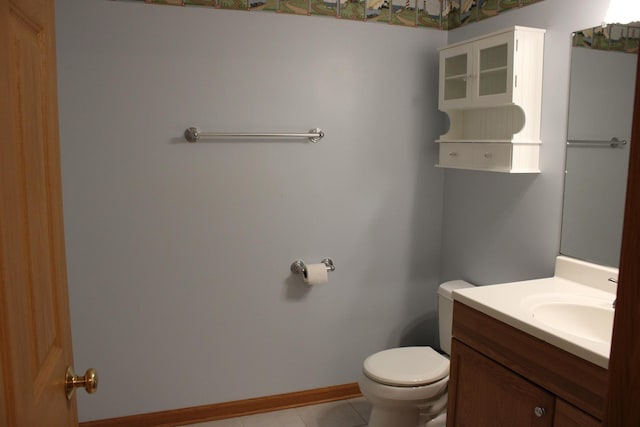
[445,311]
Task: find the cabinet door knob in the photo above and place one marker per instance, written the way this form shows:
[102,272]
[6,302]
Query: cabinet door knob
[539,411]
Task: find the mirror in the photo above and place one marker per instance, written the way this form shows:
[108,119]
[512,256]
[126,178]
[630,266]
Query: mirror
[601,95]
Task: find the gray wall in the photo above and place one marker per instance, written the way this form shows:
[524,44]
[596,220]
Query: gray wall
[178,255]
[498,227]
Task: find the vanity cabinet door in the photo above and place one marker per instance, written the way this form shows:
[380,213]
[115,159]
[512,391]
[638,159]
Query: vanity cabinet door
[567,415]
[483,393]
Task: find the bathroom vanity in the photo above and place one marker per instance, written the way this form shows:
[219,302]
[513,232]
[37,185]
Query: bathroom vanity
[511,365]
[536,383]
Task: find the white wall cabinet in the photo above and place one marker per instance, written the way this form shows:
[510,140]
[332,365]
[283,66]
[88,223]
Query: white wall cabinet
[491,89]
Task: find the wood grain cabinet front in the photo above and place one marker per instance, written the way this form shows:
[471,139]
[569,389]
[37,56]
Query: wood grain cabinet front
[567,415]
[501,376]
[488,394]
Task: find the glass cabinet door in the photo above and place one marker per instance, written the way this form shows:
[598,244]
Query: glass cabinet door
[455,69]
[455,77]
[494,69]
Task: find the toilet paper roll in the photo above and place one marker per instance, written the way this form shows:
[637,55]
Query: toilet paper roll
[315,274]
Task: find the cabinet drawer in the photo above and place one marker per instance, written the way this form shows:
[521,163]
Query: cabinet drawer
[492,156]
[456,154]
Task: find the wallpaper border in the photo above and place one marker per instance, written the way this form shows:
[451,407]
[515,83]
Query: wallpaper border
[438,14]
[613,37]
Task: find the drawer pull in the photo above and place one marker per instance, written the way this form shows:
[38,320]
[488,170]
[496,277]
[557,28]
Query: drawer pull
[539,412]
[488,155]
[453,154]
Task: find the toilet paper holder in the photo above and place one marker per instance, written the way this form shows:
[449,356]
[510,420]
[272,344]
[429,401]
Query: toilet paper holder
[299,267]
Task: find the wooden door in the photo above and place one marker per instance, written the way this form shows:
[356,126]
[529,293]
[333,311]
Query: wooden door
[35,335]
[485,393]
[624,364]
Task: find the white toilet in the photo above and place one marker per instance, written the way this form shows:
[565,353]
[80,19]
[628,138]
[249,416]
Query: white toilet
[407,386]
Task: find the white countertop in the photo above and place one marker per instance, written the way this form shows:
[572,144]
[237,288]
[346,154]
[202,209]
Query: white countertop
[511,302]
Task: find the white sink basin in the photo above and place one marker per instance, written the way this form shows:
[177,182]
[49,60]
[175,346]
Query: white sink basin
[572,310]
[588,321]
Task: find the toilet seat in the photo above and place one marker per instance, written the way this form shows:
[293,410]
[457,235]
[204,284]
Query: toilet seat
[406,366]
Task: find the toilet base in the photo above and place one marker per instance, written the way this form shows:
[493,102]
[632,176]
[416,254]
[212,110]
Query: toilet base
[424,412]
[439,421]
[394,417]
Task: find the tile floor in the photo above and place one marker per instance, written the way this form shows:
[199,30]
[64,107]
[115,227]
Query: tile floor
[343,413]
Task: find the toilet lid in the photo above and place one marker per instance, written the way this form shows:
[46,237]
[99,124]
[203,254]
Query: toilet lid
[406,366]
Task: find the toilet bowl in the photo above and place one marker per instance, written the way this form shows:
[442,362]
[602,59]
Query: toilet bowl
[407,386]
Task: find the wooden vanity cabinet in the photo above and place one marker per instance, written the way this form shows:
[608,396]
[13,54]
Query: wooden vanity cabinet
[501,376]
[491,395]
[567,415]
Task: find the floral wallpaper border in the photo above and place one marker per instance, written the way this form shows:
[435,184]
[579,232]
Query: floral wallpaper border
[440,14]
[616,37]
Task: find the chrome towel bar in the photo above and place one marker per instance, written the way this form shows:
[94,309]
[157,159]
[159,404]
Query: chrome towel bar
[613,142]
[193,134]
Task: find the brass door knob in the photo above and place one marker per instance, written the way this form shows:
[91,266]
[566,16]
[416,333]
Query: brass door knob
[72,381]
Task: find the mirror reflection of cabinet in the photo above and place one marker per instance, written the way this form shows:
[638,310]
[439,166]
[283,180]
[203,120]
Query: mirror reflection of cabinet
[491,89]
